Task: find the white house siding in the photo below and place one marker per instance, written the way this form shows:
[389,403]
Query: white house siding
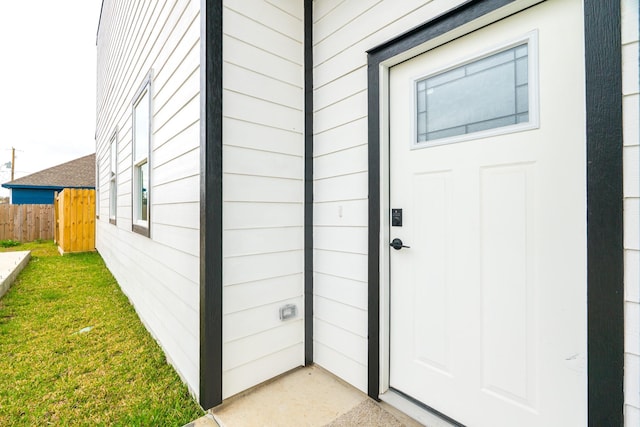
[343,31]
[631,165]
[263,189]
[160,273]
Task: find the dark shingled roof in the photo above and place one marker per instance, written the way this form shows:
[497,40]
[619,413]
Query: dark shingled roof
[76,173]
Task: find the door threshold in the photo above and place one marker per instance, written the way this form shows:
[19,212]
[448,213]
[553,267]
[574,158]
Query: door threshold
[418,412]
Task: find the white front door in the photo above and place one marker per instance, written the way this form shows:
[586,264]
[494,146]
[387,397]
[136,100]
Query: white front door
[487,162]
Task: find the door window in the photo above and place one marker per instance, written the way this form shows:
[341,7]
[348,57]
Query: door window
[489,93]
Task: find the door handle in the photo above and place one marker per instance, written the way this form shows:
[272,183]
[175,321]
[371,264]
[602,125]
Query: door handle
[397,244]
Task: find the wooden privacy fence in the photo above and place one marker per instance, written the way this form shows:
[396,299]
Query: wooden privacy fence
[75,224]
[26,223]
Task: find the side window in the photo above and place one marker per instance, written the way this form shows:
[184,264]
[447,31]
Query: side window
[141,144]
[113,178]
[486,96]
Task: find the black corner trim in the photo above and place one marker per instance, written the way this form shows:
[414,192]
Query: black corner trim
[605,288]
[308,182]
[211,205]
[605,253]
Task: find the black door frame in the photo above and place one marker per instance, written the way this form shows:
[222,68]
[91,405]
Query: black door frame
[605,289]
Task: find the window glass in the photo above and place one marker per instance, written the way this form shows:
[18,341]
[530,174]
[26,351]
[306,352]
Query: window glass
[113,190]
[489,93]
[141,127]
[141,142]
[113,199]
[142,193]
[114,154]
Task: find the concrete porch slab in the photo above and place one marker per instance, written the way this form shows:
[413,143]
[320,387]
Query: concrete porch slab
[310,397]
[11,264]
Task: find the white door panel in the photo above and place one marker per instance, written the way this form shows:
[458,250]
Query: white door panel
[488,305]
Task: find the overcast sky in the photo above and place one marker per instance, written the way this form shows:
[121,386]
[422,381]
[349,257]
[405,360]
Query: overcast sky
[47,82]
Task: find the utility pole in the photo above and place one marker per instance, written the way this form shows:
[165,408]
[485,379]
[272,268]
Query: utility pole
[13,161]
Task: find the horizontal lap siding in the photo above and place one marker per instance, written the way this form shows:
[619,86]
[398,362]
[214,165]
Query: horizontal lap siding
[343,31]
[263,165]
[160,274]
[631,167]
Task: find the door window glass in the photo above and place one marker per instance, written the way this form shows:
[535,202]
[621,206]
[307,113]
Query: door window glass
[488,93]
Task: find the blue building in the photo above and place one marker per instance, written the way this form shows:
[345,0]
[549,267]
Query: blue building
[40,187]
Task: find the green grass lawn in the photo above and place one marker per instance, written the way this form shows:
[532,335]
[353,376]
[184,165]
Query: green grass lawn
[52,374]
